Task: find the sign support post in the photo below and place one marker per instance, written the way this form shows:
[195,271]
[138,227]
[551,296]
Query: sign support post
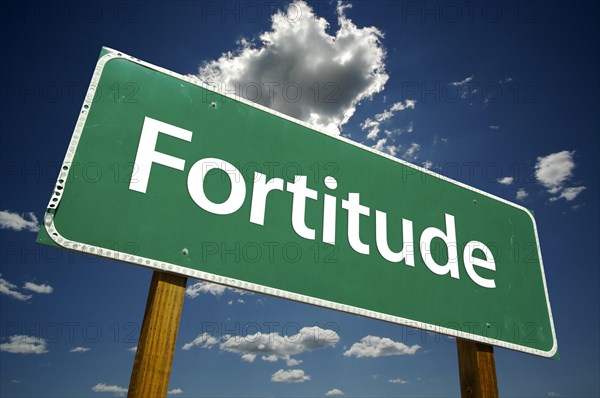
[477,369]
[156,346]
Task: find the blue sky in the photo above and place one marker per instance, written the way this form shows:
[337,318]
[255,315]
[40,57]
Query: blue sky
[501,96]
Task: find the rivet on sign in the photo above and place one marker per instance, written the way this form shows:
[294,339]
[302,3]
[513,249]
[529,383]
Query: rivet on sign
[185,251]
[213,104]
[474,201]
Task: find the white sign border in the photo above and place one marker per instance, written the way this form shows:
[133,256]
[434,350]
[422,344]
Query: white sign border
[238,284]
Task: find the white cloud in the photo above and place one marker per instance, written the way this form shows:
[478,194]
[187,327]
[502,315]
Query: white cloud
[132,349]
[428,164]
[21,344]
[11,290]
[41,289]
[495,127]
[554,170]
[204,340]
[374,126]
[507,80]
[199,288]
[17,222]
[175,391]
[569,194]
[506,180]
[196,289]
[336,392]
[101,387]
[374,347]
[332,72]
[522,194]
[290,376]
[271,347]
[389,149]
[80,349]
[553,394]
[462,82]
[411,152]
[398,381]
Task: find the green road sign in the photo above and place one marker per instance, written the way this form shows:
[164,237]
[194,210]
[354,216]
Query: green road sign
[164,172]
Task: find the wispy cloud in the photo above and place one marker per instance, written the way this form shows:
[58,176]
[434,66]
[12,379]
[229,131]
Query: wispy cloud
[80,349]
[40,289]
[204,340]
[22,344]
[10,290]
[411,152]
[374,347]
[568,194]
[382,146]
[290,376]
[101,387]
[302,70]
[175,391]
[495,127]
[398,381]
[18,222]
[199,288]
[373,127]
[463,81]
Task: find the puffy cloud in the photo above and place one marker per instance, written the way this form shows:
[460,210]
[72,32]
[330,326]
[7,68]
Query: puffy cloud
[273,347]
[21,344]
[398,381]
[569,194]
[495,127]
[270,347]
[11,290]
[175,391]
[40,289]
[554,170]
[101,387]
[336,392]
[428,164]
[17,222]
[301,70]
[522,194]
[80,349]
[506,180]
[204,340]
[374,347]
[290,376]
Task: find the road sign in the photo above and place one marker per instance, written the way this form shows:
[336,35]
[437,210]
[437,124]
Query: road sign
[164,172]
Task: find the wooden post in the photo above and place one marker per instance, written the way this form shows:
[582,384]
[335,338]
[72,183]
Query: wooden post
[477,370]
[156,346]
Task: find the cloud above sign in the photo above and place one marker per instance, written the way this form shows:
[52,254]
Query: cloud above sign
[301,70]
